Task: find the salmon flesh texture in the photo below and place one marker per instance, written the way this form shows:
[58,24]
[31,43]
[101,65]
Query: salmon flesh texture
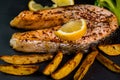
[101,23]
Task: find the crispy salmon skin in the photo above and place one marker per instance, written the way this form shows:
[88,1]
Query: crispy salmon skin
[101,23]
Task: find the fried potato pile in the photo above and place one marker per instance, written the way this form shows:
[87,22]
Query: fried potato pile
[27,64]
[22,64]
[68,67]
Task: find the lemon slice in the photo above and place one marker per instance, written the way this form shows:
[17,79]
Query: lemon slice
[63,2]
[33,6]
[72,30]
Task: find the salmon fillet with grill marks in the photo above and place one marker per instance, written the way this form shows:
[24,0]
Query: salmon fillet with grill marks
[100,24]
[58,16]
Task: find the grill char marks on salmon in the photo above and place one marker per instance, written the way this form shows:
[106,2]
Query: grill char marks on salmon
[101,23]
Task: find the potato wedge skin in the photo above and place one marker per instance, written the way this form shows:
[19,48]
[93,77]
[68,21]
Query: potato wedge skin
[108,63]
[110,49]
[68,67]
[19,69]
[26,59]
[88,61]
[52,66]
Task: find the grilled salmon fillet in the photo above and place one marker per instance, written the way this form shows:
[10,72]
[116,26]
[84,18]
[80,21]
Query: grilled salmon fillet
[58,16]
[100,24]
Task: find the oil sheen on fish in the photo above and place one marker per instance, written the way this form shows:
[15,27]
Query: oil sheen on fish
[101,23]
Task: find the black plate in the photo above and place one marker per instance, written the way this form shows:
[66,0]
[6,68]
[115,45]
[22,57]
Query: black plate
[9,9]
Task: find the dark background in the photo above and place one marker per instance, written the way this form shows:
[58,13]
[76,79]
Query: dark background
[9,9]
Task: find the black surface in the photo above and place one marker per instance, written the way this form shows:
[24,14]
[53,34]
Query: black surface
[8,10]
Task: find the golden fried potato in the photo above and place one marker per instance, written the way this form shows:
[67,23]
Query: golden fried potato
[19,69]
[111,49]
[52,66]
[108,63]
[85,65]
[67,67]
[26,59]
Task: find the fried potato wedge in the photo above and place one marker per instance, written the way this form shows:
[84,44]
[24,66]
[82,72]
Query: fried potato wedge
[19,69]
[85,65]
[111,49]
[108,63]
[26,59]
[68,67]
[52,66]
